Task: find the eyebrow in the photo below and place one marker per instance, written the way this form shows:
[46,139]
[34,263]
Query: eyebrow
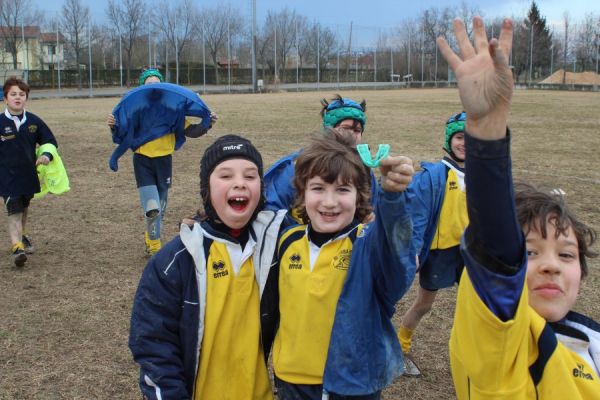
[566,242]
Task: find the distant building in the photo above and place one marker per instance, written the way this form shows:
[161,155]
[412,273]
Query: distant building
[35,50]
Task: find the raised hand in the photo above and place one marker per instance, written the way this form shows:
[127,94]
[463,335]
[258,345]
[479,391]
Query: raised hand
[485,81]
[396,173]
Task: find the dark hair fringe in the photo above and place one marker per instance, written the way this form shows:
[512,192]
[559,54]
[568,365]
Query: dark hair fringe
[14,81]
[537,207]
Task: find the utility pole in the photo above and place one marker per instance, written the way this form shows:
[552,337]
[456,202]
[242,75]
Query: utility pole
[254,87]
[57,55]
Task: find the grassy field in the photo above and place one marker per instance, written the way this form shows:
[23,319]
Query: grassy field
[64,318]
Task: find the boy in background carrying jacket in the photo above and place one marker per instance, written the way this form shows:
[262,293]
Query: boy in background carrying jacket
[20,133]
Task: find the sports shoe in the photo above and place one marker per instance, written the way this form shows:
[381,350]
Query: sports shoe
[19,256]
[152,245]
[410,367]
[26,240]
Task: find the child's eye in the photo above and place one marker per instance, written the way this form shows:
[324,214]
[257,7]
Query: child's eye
[531,253]
[567,255]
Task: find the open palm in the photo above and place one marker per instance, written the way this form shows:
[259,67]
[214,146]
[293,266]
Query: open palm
[484,78]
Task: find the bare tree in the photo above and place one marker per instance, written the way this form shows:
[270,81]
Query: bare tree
[282,26]
[318,43]
[586,41]
[566,20]
[126,18]
[466,13]
[217,22]
[176,22]
[434,23]
[14,15]
[75,17]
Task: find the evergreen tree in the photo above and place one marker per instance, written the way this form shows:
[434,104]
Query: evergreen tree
[542,40]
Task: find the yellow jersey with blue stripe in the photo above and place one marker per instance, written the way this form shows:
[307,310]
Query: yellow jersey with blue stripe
[232,364]
[310,283]
[523,357]
[453,215]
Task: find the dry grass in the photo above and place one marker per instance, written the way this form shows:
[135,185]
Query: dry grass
[65,316]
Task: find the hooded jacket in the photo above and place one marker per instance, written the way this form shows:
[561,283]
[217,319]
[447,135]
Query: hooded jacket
[167,320]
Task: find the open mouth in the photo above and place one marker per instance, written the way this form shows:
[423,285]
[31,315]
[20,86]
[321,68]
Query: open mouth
[238,203]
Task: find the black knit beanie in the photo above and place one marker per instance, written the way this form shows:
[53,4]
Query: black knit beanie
[225,148]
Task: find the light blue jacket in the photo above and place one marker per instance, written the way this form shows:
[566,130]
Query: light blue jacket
[426,196]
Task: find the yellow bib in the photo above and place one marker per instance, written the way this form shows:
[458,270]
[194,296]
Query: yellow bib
[163,146]
[453,215]
[232,365]
[307,303]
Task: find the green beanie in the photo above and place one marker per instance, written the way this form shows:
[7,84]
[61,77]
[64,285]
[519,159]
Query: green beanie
[455,124]
[150,72]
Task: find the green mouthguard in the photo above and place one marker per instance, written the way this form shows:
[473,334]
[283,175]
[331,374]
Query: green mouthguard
[365,155]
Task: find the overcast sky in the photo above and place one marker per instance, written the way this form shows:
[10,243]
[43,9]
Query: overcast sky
[370,14]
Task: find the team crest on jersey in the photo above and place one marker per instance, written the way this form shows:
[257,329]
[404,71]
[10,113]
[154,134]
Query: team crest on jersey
[219,269]
[32,128]
[342,260]
[295,261]
[453,185]
[580,373]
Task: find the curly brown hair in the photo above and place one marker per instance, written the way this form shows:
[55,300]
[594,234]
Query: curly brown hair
[333,158]
[536,208]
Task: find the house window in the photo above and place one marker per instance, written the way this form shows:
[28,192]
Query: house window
[51,49]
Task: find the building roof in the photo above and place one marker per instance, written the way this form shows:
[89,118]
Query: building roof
[50,37]
[28,31]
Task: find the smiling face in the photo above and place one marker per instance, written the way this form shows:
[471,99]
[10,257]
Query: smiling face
[457,145]
[235,191]
[15,100]
[329,206]
[553,272]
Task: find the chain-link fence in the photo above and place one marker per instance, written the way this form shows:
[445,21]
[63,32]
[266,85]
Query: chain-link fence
[223,46]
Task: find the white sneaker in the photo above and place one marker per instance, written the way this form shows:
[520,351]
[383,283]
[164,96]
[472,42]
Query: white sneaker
[410,367]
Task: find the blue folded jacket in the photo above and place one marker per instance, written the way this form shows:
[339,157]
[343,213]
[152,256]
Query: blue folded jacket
[151,111]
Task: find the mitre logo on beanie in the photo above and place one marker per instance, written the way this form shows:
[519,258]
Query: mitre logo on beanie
[225,148]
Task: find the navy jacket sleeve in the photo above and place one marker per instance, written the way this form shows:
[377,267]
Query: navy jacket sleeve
[44,134]
[154,337]
[493,243]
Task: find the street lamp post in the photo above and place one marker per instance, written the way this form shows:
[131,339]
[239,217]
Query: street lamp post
[530,52]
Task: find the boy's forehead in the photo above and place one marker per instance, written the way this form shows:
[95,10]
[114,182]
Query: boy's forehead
[236,163]
[15,88]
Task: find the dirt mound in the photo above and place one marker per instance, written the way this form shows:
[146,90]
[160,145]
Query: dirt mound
[578,78]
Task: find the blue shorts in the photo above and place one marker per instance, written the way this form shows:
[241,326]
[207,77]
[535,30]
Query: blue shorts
[17,204]
[153,171]
[441,269]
